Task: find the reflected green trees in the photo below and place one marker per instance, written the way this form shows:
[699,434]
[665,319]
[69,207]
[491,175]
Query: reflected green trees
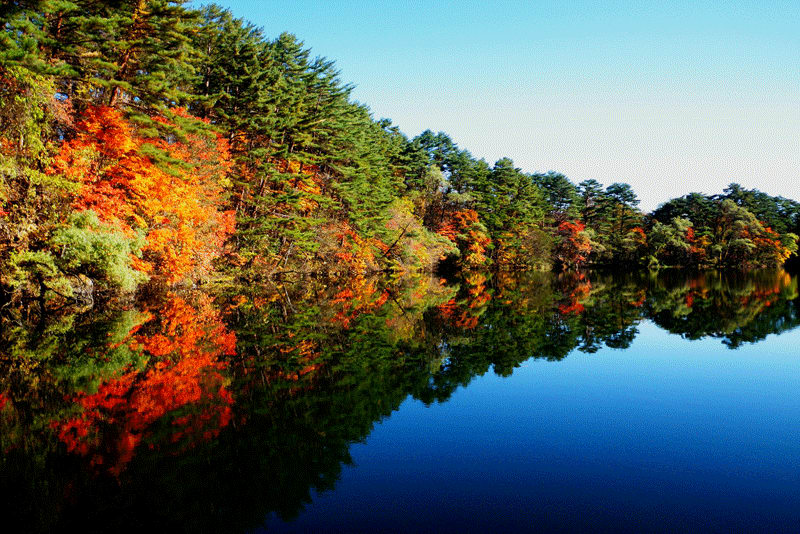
[738,308]
[125,416]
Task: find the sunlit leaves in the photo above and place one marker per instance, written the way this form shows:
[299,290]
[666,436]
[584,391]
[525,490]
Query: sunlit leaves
[573,246]
[465,230]
[175,208]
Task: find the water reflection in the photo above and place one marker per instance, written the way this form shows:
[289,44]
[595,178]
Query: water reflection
[193,412]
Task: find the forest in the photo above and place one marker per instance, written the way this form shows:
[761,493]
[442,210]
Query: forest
[143,142]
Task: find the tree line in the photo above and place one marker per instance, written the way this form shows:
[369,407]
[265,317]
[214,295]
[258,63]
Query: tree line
[142,140]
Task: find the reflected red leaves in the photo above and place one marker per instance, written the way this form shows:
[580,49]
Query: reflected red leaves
[465,313]
[572,307]
[361,296]
[576,289]
[180,398]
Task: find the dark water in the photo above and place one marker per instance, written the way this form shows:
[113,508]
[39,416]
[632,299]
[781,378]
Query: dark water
[509,403]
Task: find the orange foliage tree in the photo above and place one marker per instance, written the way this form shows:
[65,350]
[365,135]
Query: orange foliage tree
[465,230]
[572,246]
[175,205]
[770,250]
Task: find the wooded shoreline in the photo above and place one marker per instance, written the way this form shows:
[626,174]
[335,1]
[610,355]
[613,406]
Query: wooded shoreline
[147,142]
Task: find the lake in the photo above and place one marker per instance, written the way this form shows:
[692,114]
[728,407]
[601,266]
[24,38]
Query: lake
[584,401]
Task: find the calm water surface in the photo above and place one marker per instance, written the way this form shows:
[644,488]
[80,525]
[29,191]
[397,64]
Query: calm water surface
[582,402]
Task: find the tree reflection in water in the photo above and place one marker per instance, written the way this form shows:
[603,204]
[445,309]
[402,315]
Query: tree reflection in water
[189,412]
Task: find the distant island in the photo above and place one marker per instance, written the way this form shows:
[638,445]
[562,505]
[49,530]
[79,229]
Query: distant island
[146,142]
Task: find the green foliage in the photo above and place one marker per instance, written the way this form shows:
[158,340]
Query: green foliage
[561,195]
[135,51]
[36,273]
[412,246]
[727,233]
[31,201]
[94,249]
[84,247]
[777,213]
[669,242]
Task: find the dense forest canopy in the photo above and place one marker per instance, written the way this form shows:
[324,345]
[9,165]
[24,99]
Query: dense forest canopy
[145,140]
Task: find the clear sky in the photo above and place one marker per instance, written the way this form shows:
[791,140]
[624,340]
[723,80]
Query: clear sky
[670,97]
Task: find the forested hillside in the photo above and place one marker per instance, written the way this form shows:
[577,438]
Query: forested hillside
[141,140]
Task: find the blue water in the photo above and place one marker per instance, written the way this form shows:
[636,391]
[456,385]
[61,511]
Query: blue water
[667,435]
[497,403]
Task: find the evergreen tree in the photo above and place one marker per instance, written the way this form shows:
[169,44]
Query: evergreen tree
[561,194]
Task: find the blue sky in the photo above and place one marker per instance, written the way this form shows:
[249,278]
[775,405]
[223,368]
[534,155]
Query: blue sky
[669,97]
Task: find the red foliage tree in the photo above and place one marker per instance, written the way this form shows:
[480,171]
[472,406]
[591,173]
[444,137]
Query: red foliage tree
[572,245]
[175,205]
[465,230]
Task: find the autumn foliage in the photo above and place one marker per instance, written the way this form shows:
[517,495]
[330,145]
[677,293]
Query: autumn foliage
[465,230]
[184,385]
[175,206]
[573,246]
